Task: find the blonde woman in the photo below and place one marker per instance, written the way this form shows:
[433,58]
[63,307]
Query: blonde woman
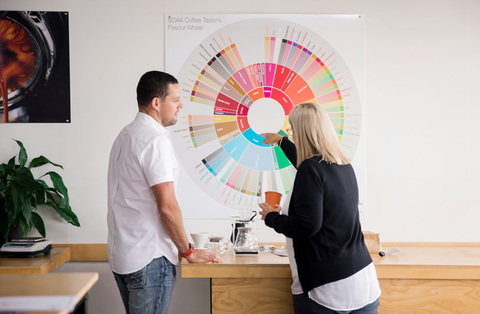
[331,268]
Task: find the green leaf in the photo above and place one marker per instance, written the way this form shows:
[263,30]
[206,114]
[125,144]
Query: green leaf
[38,223]
[16,201]
[22,156]
[9,208]
[24,225]
[24,171]
[41,196]
[11,162]
[3,170]
[26,180]
[40,161]
[22,204]
[59,186]
[54,196]
[33,201]
[66,214]
[26,209]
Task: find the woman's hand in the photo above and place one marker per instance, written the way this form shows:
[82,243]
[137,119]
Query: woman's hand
[271,138]
[266,208]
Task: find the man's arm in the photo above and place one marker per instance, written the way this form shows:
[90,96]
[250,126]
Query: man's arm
[173,222]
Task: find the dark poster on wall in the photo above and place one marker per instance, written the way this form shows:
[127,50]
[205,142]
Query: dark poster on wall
[34,67]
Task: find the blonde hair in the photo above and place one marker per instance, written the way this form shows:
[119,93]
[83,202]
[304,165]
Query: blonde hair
[315,134]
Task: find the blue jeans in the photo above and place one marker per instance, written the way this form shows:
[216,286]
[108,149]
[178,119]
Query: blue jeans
[302,304]
[149,290]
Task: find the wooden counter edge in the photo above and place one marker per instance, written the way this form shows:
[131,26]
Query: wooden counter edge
[63,257]
[46,268]
[283,271]
[428,272]
[199,270]
[76,284]
[87,286]
[430,244]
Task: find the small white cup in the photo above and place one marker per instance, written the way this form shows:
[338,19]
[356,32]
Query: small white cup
[200,238]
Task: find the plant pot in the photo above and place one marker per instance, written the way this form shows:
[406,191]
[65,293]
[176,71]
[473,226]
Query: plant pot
[15,233]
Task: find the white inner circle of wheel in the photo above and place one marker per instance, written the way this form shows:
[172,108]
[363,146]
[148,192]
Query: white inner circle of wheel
[266,115]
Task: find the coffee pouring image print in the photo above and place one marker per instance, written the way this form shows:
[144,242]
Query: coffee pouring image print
[34,67]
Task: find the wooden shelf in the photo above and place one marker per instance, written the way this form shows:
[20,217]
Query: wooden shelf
[41,264]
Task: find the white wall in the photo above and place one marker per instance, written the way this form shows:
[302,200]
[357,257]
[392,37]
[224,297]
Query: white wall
[422,72]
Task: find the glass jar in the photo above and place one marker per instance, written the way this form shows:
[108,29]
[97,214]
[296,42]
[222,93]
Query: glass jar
[246,240]
[217,246]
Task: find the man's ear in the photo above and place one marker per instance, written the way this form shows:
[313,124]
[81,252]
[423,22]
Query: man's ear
[155,103]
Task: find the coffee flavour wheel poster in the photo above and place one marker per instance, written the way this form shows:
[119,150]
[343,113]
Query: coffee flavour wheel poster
[240,76]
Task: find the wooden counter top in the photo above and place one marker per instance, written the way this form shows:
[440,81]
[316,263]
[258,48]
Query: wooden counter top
[74,284]
[62,284]
[430,263]
[266,265]
[411,262]
[41,264]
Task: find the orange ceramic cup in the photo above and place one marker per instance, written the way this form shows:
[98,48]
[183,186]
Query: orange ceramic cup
[273,198]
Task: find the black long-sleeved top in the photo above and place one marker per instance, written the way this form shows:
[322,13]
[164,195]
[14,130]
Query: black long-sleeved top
[323,221]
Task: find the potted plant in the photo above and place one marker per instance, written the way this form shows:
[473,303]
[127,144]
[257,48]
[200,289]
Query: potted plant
[21,194]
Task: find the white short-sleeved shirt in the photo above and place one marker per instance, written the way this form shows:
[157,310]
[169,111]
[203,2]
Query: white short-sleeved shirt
[141,157]
[347,294]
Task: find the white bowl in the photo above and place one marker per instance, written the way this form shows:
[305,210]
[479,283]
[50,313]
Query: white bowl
[200,238]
